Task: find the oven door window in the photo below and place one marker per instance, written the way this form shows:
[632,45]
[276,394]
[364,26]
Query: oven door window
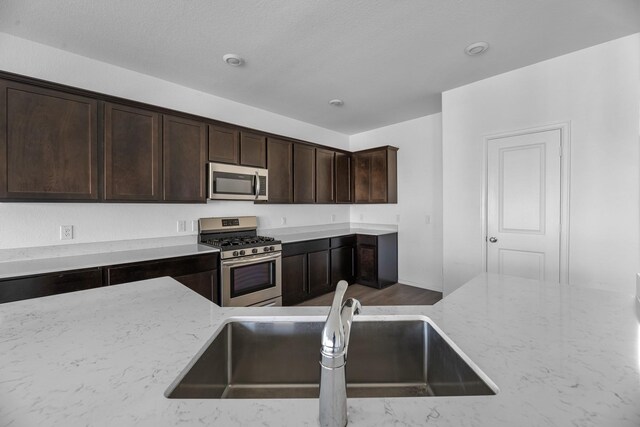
[251,278]
[233,183]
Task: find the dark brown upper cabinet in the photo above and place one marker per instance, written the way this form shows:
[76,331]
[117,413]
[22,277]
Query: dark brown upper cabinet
[228,145]
[343,184]
[48,144]
[132,154]
[279,164]
[184,146]
[253,150]
[223,144]
[304,173]
[376,175]
[325,173]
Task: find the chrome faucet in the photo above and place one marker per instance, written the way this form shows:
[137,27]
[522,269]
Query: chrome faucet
[333,357]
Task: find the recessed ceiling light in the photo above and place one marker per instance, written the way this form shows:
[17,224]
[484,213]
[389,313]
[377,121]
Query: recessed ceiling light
[476,48]
[233,59]
[336,102]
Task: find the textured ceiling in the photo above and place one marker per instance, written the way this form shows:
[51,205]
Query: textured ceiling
[389,60]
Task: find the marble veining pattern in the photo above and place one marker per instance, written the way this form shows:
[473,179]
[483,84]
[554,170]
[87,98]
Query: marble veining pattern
[560,355]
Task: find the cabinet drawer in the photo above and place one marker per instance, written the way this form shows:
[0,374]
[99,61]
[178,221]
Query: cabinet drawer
[349,240]
[173,267]
[49,284]
[367,240]
[289,249]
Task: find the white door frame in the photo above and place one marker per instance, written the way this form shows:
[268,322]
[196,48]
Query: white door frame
[565,181]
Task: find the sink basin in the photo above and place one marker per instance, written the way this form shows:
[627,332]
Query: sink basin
[389,356]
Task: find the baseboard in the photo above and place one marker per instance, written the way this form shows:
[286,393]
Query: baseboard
[421,285]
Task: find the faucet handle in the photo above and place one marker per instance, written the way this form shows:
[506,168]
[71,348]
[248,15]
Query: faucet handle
[333,339]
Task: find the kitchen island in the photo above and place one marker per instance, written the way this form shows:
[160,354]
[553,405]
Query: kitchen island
[560,355]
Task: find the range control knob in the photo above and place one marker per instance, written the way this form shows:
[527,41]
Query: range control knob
[272,248]
[235,253]
[266,248]
[254,251]
[242,252]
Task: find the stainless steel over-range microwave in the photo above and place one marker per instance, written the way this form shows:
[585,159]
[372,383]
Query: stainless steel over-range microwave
[232,182]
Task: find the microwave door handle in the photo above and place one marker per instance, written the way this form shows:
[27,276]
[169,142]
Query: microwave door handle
[257,185]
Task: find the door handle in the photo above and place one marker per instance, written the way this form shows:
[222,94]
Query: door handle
[493,239]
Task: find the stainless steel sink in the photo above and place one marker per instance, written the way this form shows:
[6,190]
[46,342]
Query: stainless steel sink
[390,356]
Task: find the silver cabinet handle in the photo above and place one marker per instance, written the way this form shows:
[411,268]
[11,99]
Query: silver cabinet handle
[493,239]
[257,185]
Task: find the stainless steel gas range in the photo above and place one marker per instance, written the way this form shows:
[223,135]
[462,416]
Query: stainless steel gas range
[250,265]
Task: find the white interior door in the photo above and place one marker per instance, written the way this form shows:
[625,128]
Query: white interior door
[523,205]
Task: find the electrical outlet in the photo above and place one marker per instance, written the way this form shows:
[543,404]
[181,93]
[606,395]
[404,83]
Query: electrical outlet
[333,217]
[398,219]
[283,220]
[427,219]
[182,226]
[66,232]
[194,225]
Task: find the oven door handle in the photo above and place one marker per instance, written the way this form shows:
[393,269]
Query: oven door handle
[251,259]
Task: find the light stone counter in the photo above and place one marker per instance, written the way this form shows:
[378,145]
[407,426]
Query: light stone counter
[65,263]
[561,356]
[300,234]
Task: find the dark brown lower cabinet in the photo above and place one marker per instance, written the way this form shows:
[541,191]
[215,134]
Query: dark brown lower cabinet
[198,272]
[49,284]
[204,283]
[343,259]
[294,279]
[377,260]
[305,270]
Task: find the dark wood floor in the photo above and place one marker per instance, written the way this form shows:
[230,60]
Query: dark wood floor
[397,294]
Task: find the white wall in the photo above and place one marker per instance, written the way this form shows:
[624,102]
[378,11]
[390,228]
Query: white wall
[30,224]
[419,196]
[597,90]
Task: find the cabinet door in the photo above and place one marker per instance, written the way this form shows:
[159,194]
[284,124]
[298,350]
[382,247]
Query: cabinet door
[378,183]
[184,144]
[362,178]
[343,178]
[367,265]
[204,283]
[294,279]
[49,284]
[132,158]
[253,150]
[48,144]
[223,144]
[342,267]
[304,174]
[319,274]
[325,176]
[279,163]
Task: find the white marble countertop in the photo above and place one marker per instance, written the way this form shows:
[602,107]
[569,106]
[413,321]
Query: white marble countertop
[312,233]
[560,355]
[75,262]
